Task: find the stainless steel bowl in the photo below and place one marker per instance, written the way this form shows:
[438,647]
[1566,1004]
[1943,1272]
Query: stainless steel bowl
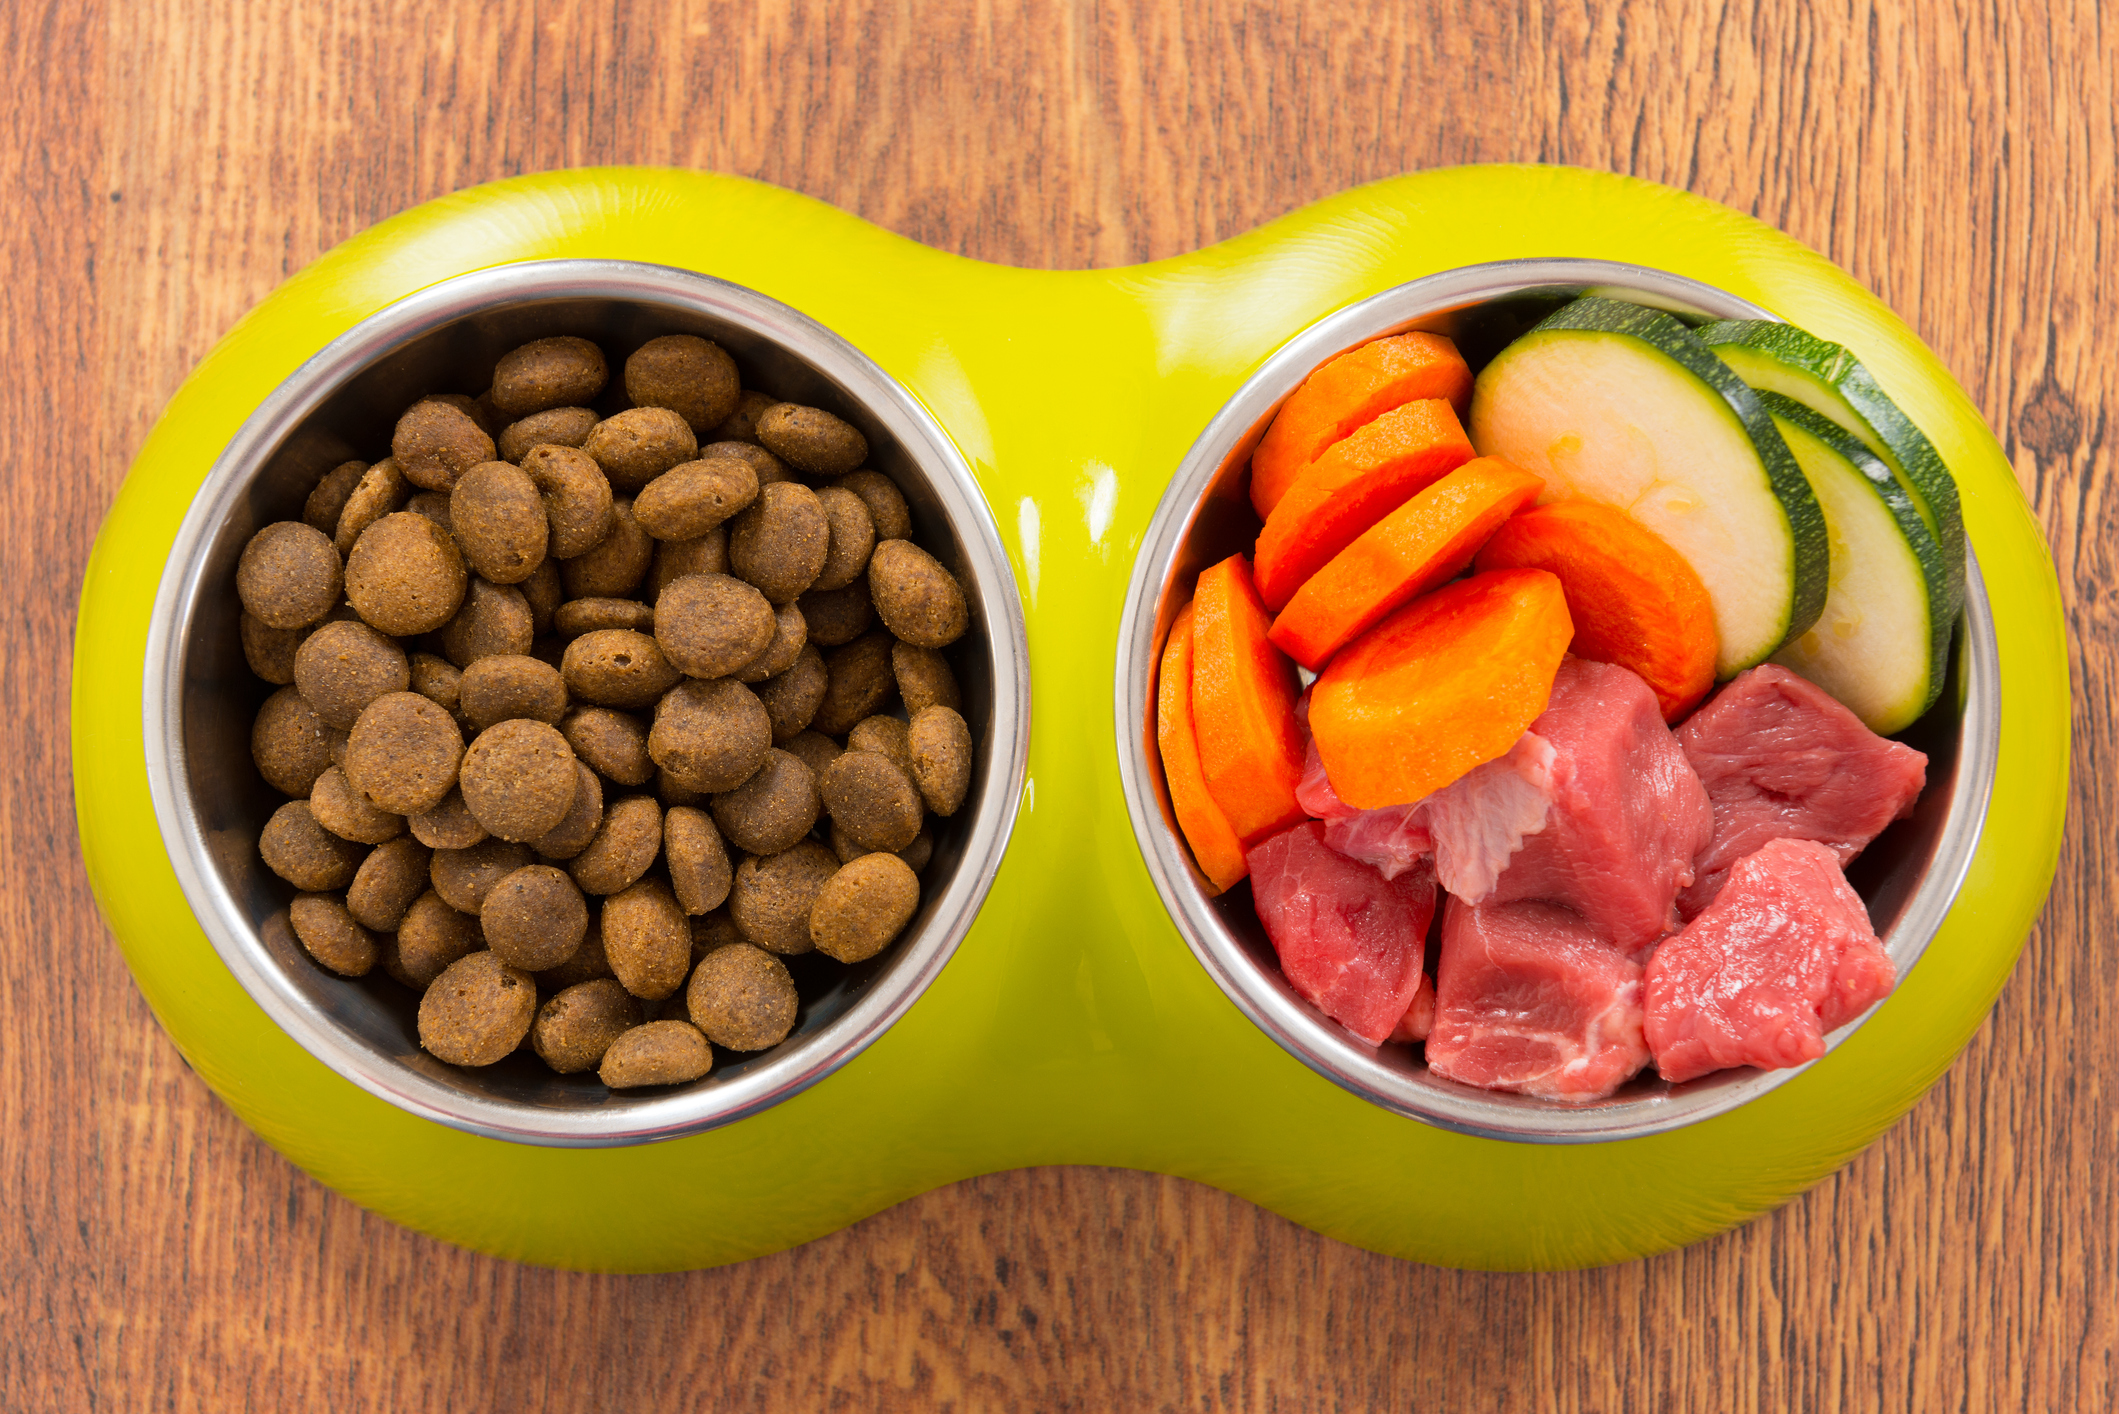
[199,696]
[1908,877]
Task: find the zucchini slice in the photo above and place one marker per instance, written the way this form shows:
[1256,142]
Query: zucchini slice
[1620,404]
[1826,378]
[1883,642]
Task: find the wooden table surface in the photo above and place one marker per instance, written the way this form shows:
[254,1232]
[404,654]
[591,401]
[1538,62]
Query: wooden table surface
[165,164]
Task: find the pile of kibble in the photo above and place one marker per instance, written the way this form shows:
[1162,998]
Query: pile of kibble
[588,721]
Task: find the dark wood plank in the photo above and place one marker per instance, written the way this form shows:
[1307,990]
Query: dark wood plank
[168,164]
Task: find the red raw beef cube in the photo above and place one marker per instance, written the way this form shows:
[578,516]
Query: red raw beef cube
[1627,815]
[1528,998]
[1782,760]
[1784,954]
[1419,1018]
[1351,942]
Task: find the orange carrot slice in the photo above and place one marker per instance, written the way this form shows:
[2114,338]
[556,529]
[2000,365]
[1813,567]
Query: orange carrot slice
[1634,601]
[1357,482]
[1214,843]
[1350,391]
[1425,542]
[1243,707]
[1449,681]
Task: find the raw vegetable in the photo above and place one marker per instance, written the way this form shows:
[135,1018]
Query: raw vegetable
[1243,706]
[1214,844]
[1349,392]
[1355,483]
[1425,542]
[1882,644]
[1634,600]
[1445,683]
[1623,405]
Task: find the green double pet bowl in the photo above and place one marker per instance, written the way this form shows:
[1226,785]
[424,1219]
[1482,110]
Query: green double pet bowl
[1068,995]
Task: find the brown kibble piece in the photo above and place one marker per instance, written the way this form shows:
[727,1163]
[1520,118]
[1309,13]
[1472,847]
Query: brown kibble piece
[792,698]
[576,497]
[495,621]
[698,861]
[505,686]
[838,616]
[587,964]
[543,592]
[518,779]
[344,666]
[814,749]
[624,847]
[534,918]
[575,1028]
[269,651]
[579,616]
[779,542]
[615,567]
[549,373]
[647,939]
[584,817]
[436,679]
[886,503]
[886,736]
[403,753]
[924,679]
[917,599]
[477,1011]
[711,931]
[692,376]
[771,896]
[430,939]
[853,539]
[463,877]
[434,505]
[393,874]
[920,851]
[742,998]
[858,684]
[711,625]
[710,736]
[289,575]
[449,825]
[437,441]
[763,464]
[498,519]
[790,633]
[345,812]
[306,854]
[381,490]
[772,810]
[328,499]
[742,424]
[941,758]
[871,800]
[405,575]
[617,667]
[690,499]
[639,445]
[291,744]
[331,935]
[672,794]
[863,907]
[554,427]
[666,1052]
[812,440]
[674,559]
[611,742]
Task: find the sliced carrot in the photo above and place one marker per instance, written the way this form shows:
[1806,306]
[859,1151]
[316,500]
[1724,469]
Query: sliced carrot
[1214,844]
[1243,707]
[1634,601]
[1425,542]
[1449,681]
[1357,482]
[1350,391]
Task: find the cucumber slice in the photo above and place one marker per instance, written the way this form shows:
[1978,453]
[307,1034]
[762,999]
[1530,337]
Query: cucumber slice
[1826,378]
[1621,404]
[1883,643]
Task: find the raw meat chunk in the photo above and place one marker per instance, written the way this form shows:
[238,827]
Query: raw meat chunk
[1419,1018]
[1350,941]
[1627,814]
[1784,954]
[1528,998]
[1782,760]
[1481,819]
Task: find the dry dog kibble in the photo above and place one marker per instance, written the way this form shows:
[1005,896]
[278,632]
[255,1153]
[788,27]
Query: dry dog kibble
[403,753]
[579,616]
[548,373]
[886,503]
[588,963]
[853,539]
[617,667]
[711,931]
[812,440]
[916,598]
[344,666]
[321,511]
[742,998]
[919,851]
[498,518]
[710,736]
[815,749]
[667,1052]
[624,847]
[772,810]
[381,490]
[693,377]
[477,1010]
[534,918]
[431,937]
[463,877]
[495,621]
[858,683]
[941,758]
[506,686]
[742,424]
[639,445]
[518,779]
[584,817]
[886,736]
[575,1028]
[863,907]
[689,500]
[674,559]
[270,651]
[331,935]
[306,854]
[711,625]
[779,541]
[436,679]
[671,794]
[771,896]
[437,441]
[449,825]
[393,874]
[647,939]
[790,633]
[838,616]
[791,699]
[405,575]
[543,591]
[924,679]
[345,812]
[289,575]
[698,862]
[576,497]
[613,743]
[554,427]
[291,744]
[763,464]
[618,562]
[871,800]
[434,505]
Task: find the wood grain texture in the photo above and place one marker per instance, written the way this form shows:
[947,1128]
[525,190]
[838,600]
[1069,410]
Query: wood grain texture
[166,164]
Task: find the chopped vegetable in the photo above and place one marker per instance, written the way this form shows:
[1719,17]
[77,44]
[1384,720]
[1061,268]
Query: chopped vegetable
[1243,706]
[1214,843]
